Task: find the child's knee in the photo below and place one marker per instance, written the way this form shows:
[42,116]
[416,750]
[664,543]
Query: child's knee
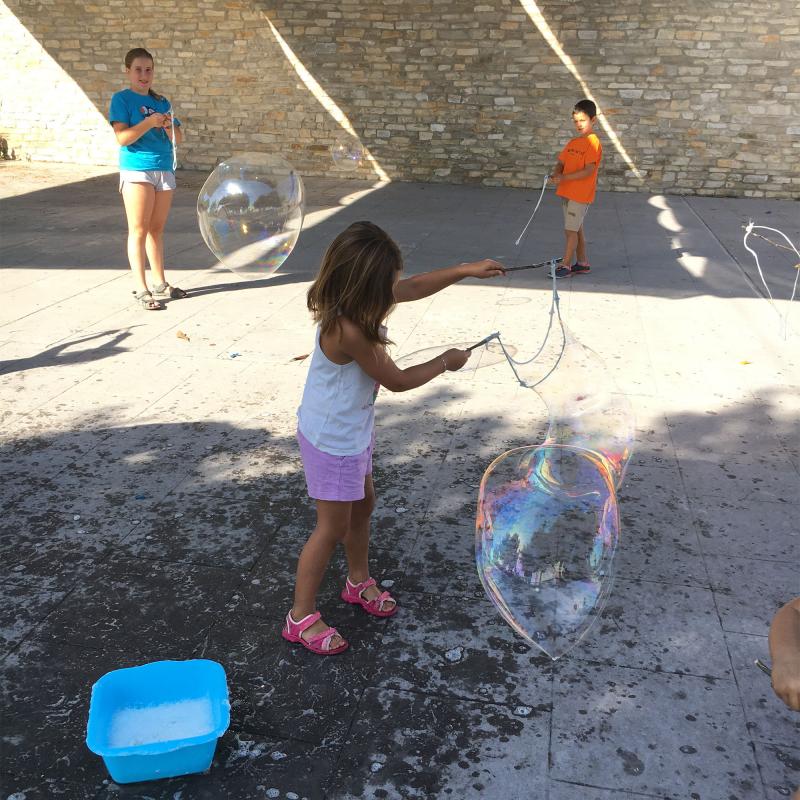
[331,534]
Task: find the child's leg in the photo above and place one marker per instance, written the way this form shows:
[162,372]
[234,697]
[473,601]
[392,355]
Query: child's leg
[581,249]
[570,245]
[154,243]
[139,199]
[333,523]
[356,543]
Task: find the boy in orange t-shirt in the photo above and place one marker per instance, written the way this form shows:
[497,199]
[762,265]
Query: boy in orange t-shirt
[575,175]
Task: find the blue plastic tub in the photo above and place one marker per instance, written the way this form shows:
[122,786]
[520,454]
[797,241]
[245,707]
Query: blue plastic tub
[158,720]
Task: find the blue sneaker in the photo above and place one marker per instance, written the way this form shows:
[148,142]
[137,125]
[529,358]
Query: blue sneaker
[563,272]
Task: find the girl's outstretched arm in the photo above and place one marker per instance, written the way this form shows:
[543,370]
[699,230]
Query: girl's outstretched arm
[428,283]
[784,647]
[352,345]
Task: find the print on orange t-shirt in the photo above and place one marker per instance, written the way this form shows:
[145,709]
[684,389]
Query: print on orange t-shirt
[577,153]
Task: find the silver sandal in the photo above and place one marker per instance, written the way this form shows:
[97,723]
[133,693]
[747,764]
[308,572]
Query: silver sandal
[149,303]
[169,292]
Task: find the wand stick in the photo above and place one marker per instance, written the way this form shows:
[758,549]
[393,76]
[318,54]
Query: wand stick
[535,266]
[482,342]
[763,667]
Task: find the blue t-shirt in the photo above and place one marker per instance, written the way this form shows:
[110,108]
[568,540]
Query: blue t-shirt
[153,150]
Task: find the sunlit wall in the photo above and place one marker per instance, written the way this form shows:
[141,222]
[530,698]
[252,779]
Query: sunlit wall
[695,98]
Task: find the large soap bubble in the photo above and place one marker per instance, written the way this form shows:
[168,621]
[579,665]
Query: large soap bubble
[548,521]
[347,154]
[547,530]
[250,211]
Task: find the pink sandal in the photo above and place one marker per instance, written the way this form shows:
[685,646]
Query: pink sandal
[319,643]
[352,593]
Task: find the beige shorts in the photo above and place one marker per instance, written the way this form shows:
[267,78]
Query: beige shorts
[574,214]
[163,180]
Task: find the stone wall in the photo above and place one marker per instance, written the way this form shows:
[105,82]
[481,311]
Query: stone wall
[696,97]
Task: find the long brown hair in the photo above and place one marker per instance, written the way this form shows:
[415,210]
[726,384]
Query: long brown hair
[140,52]
[356,280]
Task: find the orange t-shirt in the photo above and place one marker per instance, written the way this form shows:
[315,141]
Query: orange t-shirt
[577,153]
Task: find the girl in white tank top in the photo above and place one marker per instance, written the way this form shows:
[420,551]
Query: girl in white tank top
[356,288]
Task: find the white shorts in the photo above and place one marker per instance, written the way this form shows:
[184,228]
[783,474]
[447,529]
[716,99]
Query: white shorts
[162,179]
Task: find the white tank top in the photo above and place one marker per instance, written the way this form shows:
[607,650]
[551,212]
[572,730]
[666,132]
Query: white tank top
[337,412]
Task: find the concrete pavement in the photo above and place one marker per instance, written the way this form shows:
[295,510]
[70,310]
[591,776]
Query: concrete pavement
[154,503]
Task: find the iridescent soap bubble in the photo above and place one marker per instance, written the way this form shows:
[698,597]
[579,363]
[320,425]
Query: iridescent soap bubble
[547,530]
[250,211]
[347,154]
[485,356]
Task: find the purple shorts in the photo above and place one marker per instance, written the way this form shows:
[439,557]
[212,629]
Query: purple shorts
[330,477]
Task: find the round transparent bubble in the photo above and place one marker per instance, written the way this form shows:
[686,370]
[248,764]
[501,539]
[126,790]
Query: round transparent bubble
[250,211]
[547,530]
[484,356]
[347,154]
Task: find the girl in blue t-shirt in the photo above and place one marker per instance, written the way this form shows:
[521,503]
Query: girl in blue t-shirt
[147,132]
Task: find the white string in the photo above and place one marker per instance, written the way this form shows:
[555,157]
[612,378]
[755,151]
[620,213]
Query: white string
[544,186]
[748,230]
[512,362]
[554,310]
[172,132]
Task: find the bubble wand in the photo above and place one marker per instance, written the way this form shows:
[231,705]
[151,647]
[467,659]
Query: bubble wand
[554,309]
[482,342]
[535,266]
[750,229]
[763,667]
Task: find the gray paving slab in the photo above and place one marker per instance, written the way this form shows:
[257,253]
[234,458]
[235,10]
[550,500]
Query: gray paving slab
[768,719]
[566,790]
[644,626]
[689,733]
[154,504]
[780,769]
[442,746]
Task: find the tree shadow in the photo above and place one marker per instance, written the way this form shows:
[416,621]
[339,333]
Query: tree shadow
[57,355]
[128,543]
